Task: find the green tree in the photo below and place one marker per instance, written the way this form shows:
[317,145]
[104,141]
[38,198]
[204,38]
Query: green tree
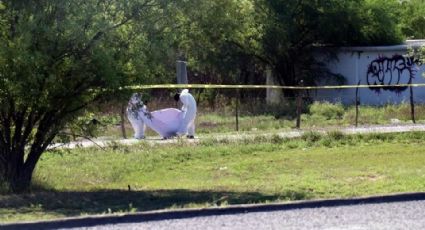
[294,30]
[413,18]
[56,58]
[418,54]
[220,41]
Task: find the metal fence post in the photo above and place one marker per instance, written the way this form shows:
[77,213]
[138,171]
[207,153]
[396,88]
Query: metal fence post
[237,110]
[412,106]
[122,122]
[357,104]
[299,104]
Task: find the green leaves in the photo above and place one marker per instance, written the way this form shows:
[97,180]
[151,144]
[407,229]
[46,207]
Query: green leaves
[413,18]
[56,59]
[380,23]
[294,29]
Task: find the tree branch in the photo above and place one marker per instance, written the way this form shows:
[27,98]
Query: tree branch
[82,136]
[100,34]
[31,121]
[259,57]
[44,133]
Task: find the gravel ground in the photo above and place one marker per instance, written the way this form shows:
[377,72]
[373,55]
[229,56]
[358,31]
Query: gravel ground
[290,134]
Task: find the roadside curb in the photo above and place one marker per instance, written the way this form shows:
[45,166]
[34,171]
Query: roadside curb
[188,213]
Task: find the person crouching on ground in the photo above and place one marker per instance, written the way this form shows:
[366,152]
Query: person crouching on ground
[187,125]
[134,108]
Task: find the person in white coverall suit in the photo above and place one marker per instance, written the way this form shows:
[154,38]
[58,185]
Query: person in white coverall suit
[187,125]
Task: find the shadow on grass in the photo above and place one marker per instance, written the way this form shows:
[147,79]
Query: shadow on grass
[74,203]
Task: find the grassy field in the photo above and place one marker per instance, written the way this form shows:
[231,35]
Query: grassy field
[215,173]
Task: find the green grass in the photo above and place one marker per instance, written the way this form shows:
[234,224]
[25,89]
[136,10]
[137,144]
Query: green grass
[253,170]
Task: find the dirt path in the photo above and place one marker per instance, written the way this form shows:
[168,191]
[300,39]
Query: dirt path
[289,134]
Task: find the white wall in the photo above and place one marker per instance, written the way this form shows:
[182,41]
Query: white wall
[386,65]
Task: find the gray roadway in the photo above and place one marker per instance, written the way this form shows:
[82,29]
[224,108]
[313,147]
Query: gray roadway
[397,211]
[397,215]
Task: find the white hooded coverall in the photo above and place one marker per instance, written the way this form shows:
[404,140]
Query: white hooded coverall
[187,125]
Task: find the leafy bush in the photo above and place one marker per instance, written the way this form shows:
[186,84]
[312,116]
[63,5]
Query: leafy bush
[4,188]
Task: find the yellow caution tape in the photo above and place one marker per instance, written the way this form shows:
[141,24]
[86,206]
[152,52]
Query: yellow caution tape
[215,86]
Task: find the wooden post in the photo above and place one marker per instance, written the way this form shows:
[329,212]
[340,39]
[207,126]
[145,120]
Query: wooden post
[412,105]
[299,104]
[122,123]
[237,110]
[357,104]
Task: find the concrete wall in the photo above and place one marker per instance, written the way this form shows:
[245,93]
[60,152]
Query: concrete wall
[386,65]
[273,96]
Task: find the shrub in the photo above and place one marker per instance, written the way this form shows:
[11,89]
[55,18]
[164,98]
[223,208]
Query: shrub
[311,136]
[336,135]
[276,139]
[327,110]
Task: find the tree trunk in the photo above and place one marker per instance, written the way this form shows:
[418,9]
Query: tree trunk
[15,176]
[16,170]
[20,182]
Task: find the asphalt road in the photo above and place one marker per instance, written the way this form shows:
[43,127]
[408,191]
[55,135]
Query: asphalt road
[395,215]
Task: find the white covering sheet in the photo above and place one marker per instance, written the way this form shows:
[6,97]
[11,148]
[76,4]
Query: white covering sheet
[165,122]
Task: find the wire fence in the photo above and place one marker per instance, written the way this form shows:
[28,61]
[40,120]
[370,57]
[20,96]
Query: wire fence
[228,108]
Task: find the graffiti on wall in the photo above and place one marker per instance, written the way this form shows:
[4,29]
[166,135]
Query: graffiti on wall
[395,70]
